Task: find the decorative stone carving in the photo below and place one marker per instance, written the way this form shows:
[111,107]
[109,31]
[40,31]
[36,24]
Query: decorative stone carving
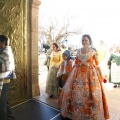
[13,19]
[13,24]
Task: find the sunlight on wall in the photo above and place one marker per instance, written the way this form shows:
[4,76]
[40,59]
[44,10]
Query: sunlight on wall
[101,18]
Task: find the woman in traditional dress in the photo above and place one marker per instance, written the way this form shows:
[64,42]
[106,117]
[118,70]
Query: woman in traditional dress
[83,97]
[114,66]
[55,61]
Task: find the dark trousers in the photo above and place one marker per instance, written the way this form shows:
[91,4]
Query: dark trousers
[61,82]
[5,110]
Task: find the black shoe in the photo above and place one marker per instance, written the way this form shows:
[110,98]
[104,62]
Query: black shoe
[115,86]
[55,96]
[51,96]
[10,117]
[65,118]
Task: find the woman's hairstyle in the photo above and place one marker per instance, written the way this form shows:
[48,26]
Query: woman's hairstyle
[63,46]
[55,44]
[116,46]
[88,36]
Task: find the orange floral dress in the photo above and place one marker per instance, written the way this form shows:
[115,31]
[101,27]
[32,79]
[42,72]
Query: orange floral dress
[82,97]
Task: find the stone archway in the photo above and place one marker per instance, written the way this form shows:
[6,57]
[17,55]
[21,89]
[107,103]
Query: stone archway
[19,21]
[34,48]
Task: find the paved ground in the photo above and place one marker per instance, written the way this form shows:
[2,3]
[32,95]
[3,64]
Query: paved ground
[113,94]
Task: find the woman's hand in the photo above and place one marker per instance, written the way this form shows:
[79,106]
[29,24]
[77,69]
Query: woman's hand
[57,67]
[99,70]
[108,66]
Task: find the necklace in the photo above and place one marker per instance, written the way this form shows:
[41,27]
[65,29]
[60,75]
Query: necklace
[54,54]
[84,54]
[85,50]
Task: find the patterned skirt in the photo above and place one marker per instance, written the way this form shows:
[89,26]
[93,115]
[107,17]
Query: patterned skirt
[52,83]
[115,73]
[82,97]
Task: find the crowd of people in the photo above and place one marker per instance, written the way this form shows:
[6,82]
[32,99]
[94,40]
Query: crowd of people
[110,62]
[78,83]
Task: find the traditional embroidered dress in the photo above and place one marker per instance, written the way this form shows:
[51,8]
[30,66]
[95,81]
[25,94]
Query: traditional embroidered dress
[52,83]
[114,63]
[82,97]
[6,65]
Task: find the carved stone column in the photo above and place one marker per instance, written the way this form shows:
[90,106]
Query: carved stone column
[34,47]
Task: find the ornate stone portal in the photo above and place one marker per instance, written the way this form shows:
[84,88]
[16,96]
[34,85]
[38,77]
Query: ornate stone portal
[19,21]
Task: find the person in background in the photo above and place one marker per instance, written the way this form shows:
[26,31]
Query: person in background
[83,97]
[65,68]
[7,68]
[55,61]
[47,62]
[103,57]
[62,48]
[102,52]
[114,66]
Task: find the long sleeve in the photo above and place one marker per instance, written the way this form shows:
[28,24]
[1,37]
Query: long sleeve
[60,59]
[96,59]
[97,66]
[110,59]
[6,62]
[77,61]
[59,73]
[4,74]
[73,63]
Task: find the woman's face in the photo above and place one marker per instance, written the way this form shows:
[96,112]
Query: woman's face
[65,57]
[85,42]
[2,45]
[101,44]
[116,49]
[54,48]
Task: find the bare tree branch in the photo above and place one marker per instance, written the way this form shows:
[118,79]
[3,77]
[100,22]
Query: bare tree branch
[55,33]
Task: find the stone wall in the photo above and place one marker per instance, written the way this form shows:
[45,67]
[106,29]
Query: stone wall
[34,46]
[19,21]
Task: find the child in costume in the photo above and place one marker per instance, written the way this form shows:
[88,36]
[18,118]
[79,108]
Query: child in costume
[65,68]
